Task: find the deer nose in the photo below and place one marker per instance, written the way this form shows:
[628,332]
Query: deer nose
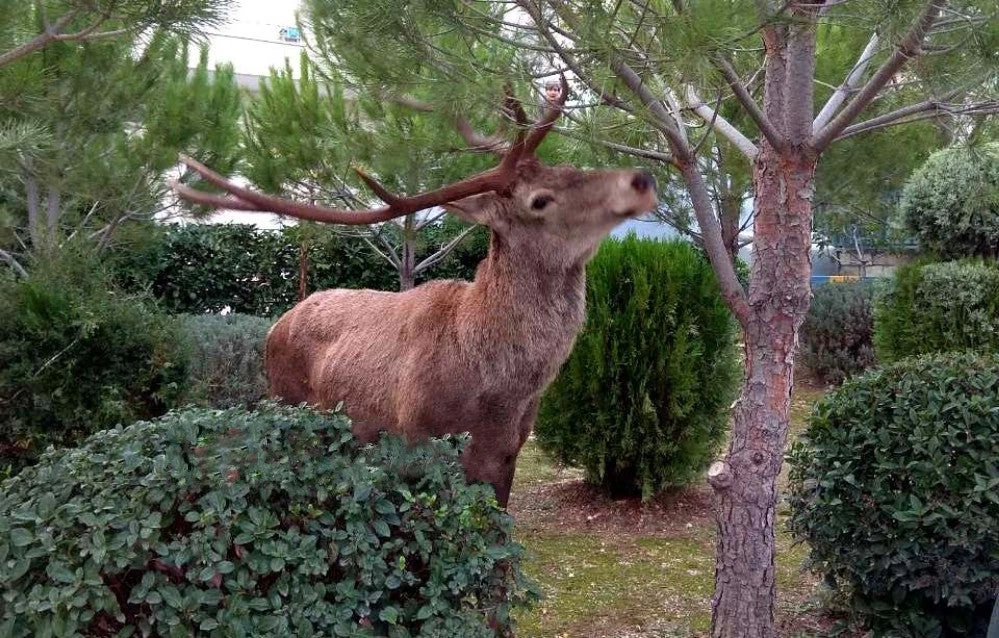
[643,181]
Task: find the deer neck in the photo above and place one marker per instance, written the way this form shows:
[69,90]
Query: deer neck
[528,306]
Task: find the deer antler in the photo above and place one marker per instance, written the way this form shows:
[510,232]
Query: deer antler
[496,179]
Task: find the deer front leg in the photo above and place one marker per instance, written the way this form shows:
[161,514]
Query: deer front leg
[492,461]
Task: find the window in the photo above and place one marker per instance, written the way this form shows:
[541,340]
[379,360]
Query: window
[290,34]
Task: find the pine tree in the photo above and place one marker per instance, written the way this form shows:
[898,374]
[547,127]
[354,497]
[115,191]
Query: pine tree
[89,131]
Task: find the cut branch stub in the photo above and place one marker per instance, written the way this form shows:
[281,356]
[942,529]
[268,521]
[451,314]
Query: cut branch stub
[498,179]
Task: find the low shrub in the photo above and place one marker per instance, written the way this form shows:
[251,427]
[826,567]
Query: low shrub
[837,336]
[275,522]
[227,356]
[938,307]
[895,487]
[78,356]
[952,202]
[642,402]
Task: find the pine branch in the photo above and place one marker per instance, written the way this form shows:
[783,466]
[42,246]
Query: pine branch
[445,250]
[920,111]
[848,86]
[38,42]
[663,119]
[714,119]
[714,246]
[909,47]
[14,264]
[746,100]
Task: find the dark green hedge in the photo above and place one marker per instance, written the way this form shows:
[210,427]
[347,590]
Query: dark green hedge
[895,487]
[643,401]
[78,355]
[226,359]
[199,268]
[837,336]
[269,523]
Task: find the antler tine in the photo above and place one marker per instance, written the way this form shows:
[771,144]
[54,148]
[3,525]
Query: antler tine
[245,199]
[477,141]
[547,121]
[514,107]
[495,143]
[209,199]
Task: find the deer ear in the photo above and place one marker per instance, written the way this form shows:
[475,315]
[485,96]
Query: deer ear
[477,209]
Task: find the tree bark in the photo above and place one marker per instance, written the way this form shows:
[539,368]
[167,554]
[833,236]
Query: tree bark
[730,215]
[745,482]
[303,269]
[407,255]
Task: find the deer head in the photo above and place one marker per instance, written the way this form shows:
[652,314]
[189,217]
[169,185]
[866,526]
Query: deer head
[558,210]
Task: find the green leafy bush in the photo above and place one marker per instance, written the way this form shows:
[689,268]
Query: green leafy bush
[79,356]
[206,268]
[895,487]
[275,522]
[938,308]
[837,336]
[227,357]
[952,202]
[642,402]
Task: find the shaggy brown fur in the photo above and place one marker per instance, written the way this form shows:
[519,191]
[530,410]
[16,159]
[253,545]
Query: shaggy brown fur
[452,356]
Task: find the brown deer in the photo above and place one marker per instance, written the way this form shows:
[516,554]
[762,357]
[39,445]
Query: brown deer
[455,356]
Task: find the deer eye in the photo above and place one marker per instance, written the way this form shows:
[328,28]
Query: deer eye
[540,201]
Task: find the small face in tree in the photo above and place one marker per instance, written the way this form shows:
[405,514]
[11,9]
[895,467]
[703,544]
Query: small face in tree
[553,92]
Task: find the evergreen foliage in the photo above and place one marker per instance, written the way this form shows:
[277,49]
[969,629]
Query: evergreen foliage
[642,403]
[895,488]
[837,336]
[269,523]
[89,133]
[226,359]
[79,355]
[951,203]
[207,268]
[938,307]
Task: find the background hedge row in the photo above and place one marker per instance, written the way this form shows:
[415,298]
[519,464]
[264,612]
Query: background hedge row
[199,268]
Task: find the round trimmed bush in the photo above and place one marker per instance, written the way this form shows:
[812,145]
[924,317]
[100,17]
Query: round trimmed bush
[268,523]
[642,402]
[227,359]
[895,487]
[952,202]
[837,336]
[938,307]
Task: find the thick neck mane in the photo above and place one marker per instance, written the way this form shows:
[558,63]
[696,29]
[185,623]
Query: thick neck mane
[523,311]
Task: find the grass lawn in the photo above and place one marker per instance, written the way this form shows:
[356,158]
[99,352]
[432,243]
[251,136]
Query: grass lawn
[619,569]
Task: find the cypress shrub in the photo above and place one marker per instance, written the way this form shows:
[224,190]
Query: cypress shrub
[837,336]
[79,355]
[938,307]
[895,487]
[642,402]
[269,523]
[227,357]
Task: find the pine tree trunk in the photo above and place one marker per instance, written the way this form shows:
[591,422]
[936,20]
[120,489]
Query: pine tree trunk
[746,480]
[407,264]
[303,270]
